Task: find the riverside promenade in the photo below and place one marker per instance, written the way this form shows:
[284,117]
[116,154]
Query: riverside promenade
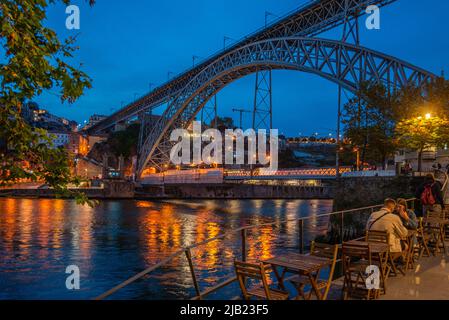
[428,281]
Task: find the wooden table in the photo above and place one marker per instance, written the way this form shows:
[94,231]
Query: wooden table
[382,251]
[304,265]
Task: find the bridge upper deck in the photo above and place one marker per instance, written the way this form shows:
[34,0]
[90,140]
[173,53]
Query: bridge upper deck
[310,19]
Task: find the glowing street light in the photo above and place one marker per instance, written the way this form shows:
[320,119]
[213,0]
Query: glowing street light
[357,151]
[428,116]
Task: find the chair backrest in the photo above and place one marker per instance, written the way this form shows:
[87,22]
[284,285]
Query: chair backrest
[245,270]
[435,215]
[326,251]
[377,236]
[352,252]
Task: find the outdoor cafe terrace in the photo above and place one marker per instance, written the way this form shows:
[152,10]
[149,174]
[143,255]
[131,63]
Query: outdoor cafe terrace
[333,272]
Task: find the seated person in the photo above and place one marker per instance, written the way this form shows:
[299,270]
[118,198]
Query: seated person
[386,220]
[407,216]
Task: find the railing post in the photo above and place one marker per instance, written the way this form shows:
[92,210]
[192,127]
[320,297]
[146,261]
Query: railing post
[192,271]
[243,232]
[342,227]
[301,236]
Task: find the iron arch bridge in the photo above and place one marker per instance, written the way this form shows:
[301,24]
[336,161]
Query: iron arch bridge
[342,63]
[309,20]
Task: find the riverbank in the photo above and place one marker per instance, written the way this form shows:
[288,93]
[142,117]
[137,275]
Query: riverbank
[127,190]
[236,191]
[110,189]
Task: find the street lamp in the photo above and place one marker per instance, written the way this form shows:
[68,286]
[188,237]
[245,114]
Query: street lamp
[357,151]
[428,116]
[225,39]
[194,58]
[267,15]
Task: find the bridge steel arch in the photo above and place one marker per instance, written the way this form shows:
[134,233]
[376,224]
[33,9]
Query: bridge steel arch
[311,19]
[344,64]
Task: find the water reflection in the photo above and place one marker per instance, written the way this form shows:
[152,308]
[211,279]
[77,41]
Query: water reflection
[39,238]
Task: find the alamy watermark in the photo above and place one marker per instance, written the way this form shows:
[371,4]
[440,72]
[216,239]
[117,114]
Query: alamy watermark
[372,282]
[234,147]
[372,22]
[73,21]
[72,282]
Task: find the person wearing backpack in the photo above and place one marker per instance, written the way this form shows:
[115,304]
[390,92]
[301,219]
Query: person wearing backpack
[430,195]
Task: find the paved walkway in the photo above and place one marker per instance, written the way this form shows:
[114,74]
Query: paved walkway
[429,281]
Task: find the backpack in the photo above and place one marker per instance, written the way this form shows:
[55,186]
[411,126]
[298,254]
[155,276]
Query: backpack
[427,197]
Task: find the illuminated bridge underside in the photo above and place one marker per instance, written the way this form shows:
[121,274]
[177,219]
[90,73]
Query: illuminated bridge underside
[342,63]
[309,20]
[285,174]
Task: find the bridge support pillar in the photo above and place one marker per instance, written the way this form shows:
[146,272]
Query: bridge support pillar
[145,119]
[263,101]
[209,113]
[351,34]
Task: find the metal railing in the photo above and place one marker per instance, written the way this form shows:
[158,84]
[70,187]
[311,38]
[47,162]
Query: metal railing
[187,251]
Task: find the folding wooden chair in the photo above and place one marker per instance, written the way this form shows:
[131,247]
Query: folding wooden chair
[257,272]
[356,258]
[300,282]
[435,231]
[422,240]
[377,236]
[446,227]
[391,263]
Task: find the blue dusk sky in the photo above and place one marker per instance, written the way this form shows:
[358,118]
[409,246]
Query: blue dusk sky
[126,45]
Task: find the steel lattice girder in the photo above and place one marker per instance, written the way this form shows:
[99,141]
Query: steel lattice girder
[310,20]
[345,64]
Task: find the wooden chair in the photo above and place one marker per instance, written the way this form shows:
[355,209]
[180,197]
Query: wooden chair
[422,240]
[446,228]
[377,236]
[383,237]
[257,272]
[356,258]
[435,232]
[300,282]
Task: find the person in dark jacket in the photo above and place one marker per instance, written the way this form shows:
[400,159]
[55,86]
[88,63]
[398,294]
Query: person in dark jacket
[436,192]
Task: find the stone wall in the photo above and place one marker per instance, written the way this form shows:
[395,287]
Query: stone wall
[354,193]
[237,191]
[362,192]
[113,189]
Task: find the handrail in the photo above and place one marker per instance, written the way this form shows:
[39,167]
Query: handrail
[242,230]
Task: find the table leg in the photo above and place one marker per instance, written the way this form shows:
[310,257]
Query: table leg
[313,282]
[383,261]
[411,256]
[279,278]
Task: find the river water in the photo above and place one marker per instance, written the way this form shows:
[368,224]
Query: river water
[39,238]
